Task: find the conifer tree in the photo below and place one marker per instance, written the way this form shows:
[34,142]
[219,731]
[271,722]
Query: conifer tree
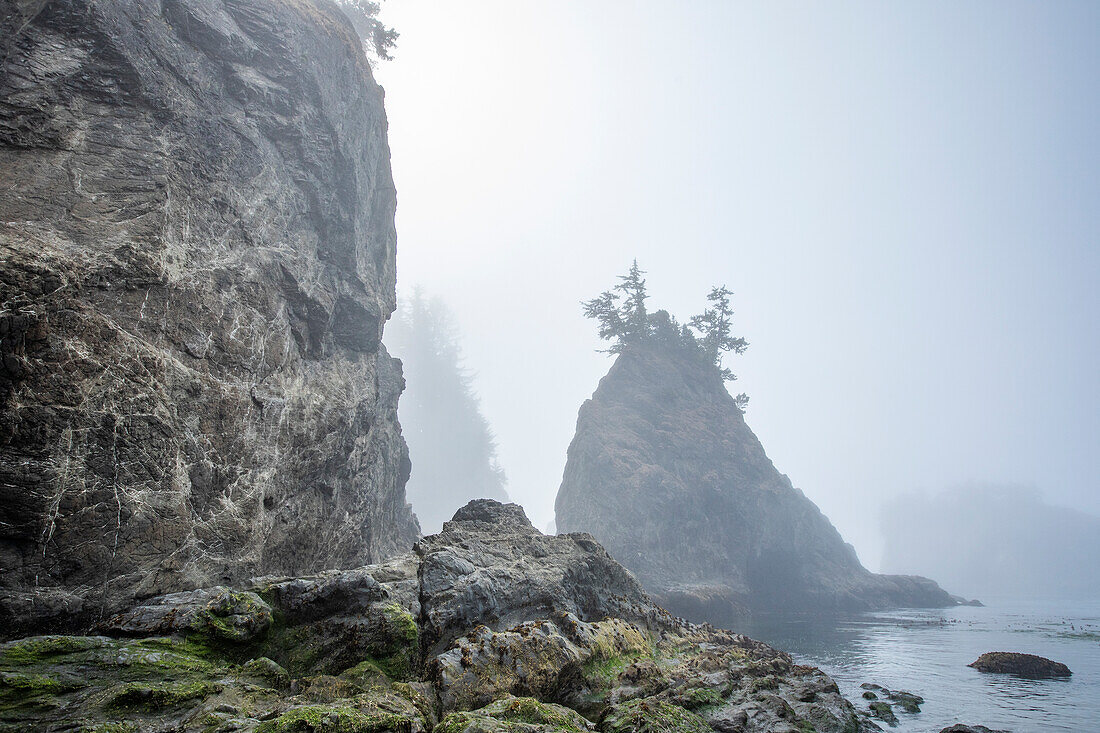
[714,325]
[623,319]
[450,442]
[621,311]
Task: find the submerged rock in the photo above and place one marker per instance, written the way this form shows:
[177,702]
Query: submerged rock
[198,259]
[1021,665]
[899,699]
[664,471]
[512,632]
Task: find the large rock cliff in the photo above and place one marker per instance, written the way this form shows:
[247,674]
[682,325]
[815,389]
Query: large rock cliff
[197,239]
[666,474]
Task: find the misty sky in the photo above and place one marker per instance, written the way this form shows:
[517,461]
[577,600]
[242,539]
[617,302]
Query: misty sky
[904,197]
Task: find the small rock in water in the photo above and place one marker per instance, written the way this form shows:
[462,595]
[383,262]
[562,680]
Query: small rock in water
[868,695]
[961,728]
[907,701]
[884,712]
[1021,665]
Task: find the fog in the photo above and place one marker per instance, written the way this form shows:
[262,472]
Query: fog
[994,542]
[903,198]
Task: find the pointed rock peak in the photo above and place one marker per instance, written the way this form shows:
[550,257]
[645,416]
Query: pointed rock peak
[492,512]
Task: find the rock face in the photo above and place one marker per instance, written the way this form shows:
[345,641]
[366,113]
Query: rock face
[488,627]
[1021,665]
[666,474]
[198,259]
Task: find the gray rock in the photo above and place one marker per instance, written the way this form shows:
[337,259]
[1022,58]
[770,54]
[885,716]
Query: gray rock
[664,471]
[490,566]
[198,246]
[236,616]
[337,649]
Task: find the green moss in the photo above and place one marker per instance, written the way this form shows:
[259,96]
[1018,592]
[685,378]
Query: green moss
[367,675]
[124,727]
[607,669]
[652,716]
[396,667]
[884,712]
[238,618]
[325,719]
[530,710]
[267,670]
[153,697]
[41,649]
[419,701]
[700,697]
[402,622]
[399,656]
[27,685]
[765,683]
[520,710]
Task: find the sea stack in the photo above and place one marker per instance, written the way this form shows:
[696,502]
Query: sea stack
[665,472]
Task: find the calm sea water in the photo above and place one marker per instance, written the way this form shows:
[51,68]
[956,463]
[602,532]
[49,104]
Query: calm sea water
[926,652]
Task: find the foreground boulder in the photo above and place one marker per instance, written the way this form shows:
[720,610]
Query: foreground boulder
[489,627]
[198,259]
[1021,665]
[664,471]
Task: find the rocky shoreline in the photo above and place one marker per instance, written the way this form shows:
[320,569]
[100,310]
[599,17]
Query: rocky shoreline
[488,626]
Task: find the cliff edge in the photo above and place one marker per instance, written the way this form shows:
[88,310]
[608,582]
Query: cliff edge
[198,259]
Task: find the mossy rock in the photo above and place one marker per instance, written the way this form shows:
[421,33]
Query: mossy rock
[332,719]
[387,636]
[36,650]
[651,716]
[699,697]
[907,701]
[16,685]
[269,671]
[235,617]
[884,712]
[517,714]
[152,697]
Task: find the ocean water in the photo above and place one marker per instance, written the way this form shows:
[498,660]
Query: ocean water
[926,652]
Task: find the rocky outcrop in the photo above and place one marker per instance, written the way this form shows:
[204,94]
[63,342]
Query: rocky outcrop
[198,259]
[1021,665]
[665,472]
[490,566]
[355,650]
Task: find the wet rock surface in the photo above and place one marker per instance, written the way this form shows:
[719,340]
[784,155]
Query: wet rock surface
[664,471]
[886,703]
[342,651]
[198,259]
[1021,665]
